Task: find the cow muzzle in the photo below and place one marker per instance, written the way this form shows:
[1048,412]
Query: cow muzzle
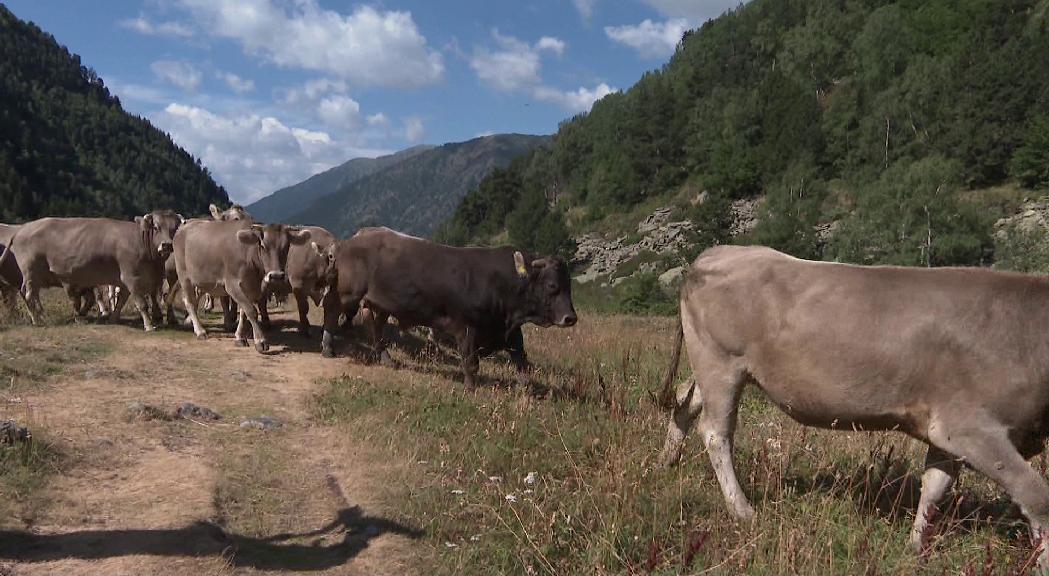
[275,276]
[567,320]
[165,248]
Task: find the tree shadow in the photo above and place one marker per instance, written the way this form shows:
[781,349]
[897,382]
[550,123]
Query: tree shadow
[351,526]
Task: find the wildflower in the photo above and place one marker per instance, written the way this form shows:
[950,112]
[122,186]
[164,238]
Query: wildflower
[511,498]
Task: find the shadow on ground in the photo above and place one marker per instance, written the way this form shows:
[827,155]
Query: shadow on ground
[332,545]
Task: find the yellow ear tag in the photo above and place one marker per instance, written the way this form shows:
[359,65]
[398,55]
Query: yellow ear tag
[520,265]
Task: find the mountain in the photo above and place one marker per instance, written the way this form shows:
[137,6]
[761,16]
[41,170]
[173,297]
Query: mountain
[872,131]
[289,201]
[417,193]
[67,148]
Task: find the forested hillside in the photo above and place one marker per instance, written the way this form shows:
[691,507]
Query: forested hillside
[418,193]
[888,123]
[68,148]
[289,201]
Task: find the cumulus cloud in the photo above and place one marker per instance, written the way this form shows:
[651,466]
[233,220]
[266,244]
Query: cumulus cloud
[367,47]
[650,39]
[579,100]
[512,66]
[555,45]
[379,119]
[339,110]
[585,8]
[236,83]
[313,90]
[254,155]
[414,130]
[147,28]
[182,75]
[516,66]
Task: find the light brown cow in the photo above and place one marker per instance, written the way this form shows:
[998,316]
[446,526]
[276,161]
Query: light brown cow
[235,259]
[957,358]
[234,212]
[80,253]
[307,267]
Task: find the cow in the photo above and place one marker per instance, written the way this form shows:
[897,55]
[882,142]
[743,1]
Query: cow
[307,266]
[481,296]
[957,358]
[10,275]
[234,212]
[80,253]
[236,259]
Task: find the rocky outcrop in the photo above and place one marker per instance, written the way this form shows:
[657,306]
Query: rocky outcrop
[1032,215]
[745,215]
[601,257]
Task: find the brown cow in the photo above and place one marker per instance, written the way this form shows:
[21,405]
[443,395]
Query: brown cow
[10,275]
[233,259]
[957,358]
[80,253]
[234,212]
[307,265]
[481,296]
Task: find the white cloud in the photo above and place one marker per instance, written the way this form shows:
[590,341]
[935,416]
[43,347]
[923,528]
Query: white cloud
[585,8]
[555,45]
[650,39]
[414,130]
[378,119]
[340,111]
[514,65]
[236,83]
[367,47]
[313,90]
[183,75]
[254,155]
[145,27]
[695,11]
[579,100]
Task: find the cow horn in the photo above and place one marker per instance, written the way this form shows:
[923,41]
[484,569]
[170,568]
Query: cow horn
[540,263]
[519,265]
[181,219]
[258,227]
[215,212]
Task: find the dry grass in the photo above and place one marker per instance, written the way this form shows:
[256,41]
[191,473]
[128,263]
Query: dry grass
[588,428]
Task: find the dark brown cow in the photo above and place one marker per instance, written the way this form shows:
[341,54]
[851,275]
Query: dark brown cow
[957,358]
[307,266]
[10,275]
[481,296]
[80,253]
[233,259]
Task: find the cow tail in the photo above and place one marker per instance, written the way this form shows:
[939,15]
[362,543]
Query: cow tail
[3,257]
[666,396]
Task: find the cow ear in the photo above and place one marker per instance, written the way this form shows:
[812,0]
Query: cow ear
[248,237]
[145,222]
[181,220]
[519,265]
[317,249]
[215,212]
[299,237]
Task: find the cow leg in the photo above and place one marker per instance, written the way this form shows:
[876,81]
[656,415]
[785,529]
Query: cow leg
[118,308]
[154,305]
[74,293]
[240,338]
[189,300]
[518,356]
[143,309]
[941,471]
[378,329]
[335,306]
[247,310]
[304,310]
[985,446]
[468,350]
[169,304]
[264,313]
[229,312]
[31,294]
[687,407]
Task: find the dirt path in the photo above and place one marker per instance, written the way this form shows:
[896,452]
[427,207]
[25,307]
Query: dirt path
[185,497]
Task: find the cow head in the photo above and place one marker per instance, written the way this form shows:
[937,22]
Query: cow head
[273,241]
[234,212]
[159,227]
[549,291]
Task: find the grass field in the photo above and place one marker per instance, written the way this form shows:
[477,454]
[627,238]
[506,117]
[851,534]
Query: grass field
[558,476]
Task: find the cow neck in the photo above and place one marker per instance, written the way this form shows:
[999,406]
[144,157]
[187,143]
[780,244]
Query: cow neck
[147,243]
[255,259]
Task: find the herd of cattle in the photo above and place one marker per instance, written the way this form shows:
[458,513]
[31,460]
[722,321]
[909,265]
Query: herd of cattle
[956,358]
[480,296]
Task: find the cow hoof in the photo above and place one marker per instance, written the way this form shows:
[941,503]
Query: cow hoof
[202,336]
[261,347]
[150,328]
[240,343]
[327,352]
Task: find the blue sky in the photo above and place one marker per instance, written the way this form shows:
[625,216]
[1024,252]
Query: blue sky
[269,92]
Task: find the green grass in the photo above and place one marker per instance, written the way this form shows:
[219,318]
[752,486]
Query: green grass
[25,470]
[828,502]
